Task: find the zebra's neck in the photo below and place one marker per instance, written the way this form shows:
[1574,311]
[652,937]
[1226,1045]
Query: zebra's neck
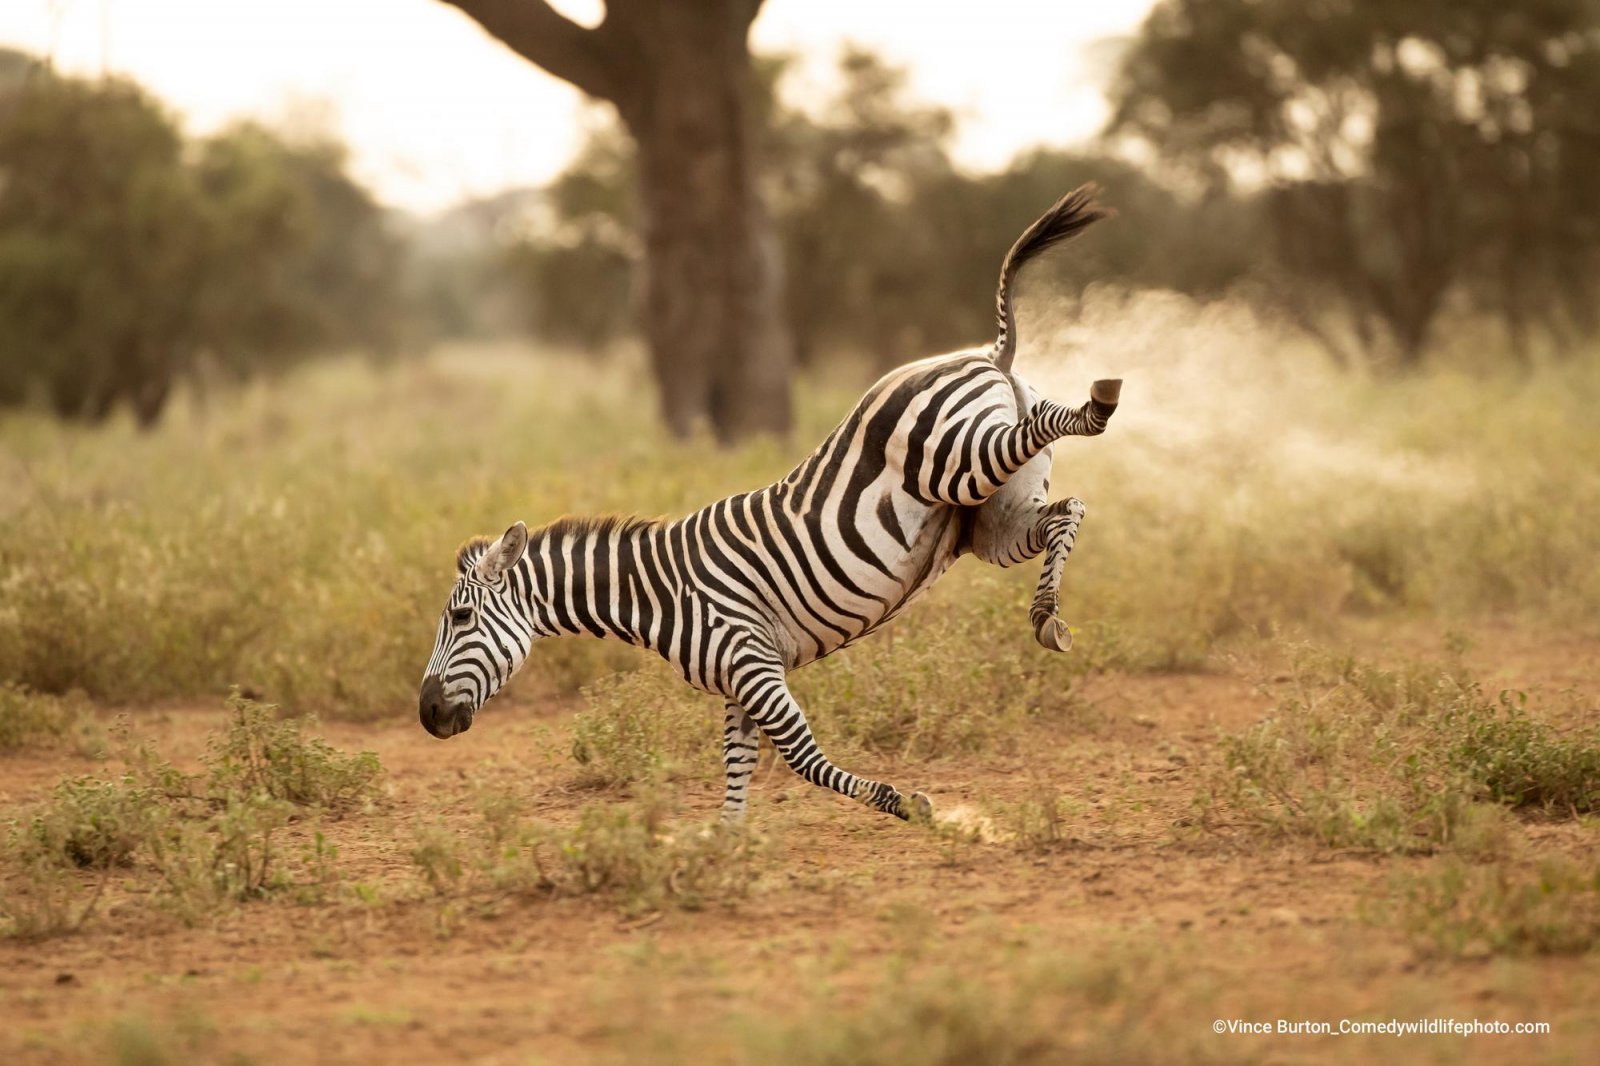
[601,577]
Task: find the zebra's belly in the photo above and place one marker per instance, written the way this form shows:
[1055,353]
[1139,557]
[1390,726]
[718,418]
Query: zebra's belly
[931,537]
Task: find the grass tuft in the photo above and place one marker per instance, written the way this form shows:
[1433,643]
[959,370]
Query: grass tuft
[197,842]
[1460,910]
[260,753]
[31,720]
[1413,759]
[645,726]
[624,852]
[1522,762]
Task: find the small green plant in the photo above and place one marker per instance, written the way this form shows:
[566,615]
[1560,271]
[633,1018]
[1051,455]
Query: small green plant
[207,839]
[627,852]
[1521,762]
[261,753]
[230,856]
[94,822]
[437,854]
[644,726]
[1459,909]
[87,824]
[1394,760]
[631,853]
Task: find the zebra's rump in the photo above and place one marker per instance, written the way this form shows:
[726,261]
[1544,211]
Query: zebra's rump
[855,532]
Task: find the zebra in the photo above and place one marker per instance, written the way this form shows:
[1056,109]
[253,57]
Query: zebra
[942,457]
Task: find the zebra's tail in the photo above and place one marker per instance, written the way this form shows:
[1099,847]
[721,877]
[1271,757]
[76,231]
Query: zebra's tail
[1071,214]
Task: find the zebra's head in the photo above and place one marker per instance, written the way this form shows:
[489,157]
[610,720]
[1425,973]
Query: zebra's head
[484,634]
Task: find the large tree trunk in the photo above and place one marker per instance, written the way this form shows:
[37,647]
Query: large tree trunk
[679,74]
[713,276]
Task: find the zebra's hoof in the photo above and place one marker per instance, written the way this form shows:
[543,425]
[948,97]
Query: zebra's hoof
[1107,391]
[1054,635]
[919,809]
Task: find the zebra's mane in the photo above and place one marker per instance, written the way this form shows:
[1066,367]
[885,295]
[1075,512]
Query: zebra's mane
[470,552]
[473,548]
[579,525]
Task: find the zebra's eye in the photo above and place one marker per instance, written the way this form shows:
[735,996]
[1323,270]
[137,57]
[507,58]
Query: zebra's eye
[461,615]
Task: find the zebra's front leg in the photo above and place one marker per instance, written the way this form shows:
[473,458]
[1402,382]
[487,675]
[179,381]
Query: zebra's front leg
[1054,534]
[739,754]
[764,696]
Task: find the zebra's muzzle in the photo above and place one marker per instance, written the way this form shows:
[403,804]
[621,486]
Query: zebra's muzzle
[440,717]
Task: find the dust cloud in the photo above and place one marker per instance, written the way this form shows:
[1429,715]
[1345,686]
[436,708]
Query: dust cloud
[1218,397]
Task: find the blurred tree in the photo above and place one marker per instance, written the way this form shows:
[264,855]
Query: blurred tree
[128,262]
[841,181]
[578,263]
[460,278]
[958,226]
[101,247]
[680,77]
[302,257]
[890,251]
[1410,151]
[16,67]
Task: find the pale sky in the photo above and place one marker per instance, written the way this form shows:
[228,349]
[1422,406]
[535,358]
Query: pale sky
[436,111]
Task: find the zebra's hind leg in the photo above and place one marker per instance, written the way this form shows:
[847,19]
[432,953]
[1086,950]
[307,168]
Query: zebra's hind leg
[1017,524]
[1009,536]
[739,755]
[764,695]
[1056,531]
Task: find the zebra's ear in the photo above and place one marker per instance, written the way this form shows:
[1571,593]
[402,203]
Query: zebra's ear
[503,554]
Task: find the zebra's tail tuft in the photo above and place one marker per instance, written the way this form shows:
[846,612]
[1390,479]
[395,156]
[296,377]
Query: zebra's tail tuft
[1070,215]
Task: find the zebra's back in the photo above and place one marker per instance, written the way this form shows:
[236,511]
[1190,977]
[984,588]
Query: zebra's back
[862,525]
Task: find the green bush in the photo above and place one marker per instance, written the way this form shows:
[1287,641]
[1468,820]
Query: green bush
[1397,760]
[1521,762]
[95,823]
[1461,910]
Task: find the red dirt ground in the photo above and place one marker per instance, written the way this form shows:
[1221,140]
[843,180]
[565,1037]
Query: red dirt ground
[1234,928]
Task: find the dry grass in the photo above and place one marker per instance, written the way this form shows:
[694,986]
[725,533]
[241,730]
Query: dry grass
[1472,911]
[296,539]
[30,720]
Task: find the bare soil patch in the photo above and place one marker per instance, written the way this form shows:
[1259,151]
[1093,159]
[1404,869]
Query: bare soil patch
[1232,927]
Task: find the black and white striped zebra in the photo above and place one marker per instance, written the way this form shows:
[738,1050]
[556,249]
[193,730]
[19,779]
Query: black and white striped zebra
[940,458]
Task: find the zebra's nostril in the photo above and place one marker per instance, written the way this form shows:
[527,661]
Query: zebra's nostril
[430,703]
